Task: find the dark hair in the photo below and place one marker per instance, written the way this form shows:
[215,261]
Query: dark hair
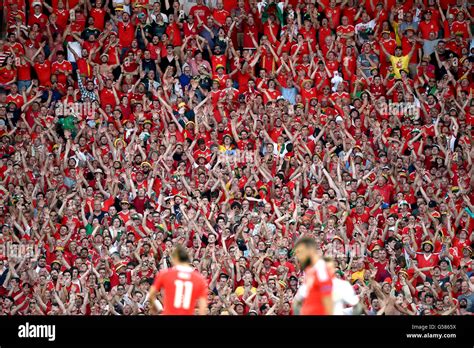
[180,254]
[10,298]
[307,242]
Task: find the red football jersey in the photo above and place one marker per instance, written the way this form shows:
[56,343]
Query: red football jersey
[427,260]
[318,283]
[182,288]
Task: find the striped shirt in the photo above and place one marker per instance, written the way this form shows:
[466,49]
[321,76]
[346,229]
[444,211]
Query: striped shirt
[84,92]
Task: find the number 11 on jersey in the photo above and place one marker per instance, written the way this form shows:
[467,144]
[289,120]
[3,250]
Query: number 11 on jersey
[183,293]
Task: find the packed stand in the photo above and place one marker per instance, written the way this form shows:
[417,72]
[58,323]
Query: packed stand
[234,128]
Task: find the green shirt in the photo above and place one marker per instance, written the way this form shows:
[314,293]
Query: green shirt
[90,229]
[68,122]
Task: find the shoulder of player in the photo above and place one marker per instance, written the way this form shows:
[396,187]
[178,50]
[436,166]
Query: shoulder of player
[199,277]
[166,272]
[197,274]
[321,270]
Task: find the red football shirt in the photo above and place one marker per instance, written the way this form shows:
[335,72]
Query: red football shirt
[43,71]
[99,17]
[220,15]
[318,283]
[427,260]
[201,11]
[126,33]
[62,18]
[16,99]
[64,66]
[182,288]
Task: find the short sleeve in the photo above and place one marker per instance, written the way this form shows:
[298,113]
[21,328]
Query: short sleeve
[201,289]
[158,282]
[350,296]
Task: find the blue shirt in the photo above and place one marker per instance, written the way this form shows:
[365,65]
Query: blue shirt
[184,80]
[289,94]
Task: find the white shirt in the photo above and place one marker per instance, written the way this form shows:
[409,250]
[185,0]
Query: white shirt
[164,16]
[76,47]
[343,294]
[364,26]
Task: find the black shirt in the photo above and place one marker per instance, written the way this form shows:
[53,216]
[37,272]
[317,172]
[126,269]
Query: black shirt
[440,71]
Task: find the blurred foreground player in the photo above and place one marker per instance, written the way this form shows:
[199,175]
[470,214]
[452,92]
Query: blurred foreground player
[315,296]
[183,287]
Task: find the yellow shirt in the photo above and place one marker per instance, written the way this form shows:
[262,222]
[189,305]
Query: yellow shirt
[241,290]
[399,63]
[358,275]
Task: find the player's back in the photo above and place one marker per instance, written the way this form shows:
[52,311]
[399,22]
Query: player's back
[182,288]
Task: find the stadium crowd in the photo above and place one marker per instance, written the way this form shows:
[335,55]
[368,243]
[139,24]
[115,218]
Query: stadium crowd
[235,128]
